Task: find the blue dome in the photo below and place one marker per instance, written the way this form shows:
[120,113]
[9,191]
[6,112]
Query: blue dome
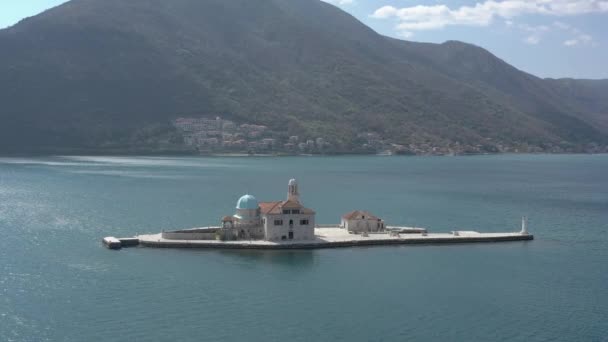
[247,202]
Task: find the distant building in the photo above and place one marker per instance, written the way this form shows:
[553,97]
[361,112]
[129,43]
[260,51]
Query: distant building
[229,126]
[361,221]
[214,133]
[240,143]
[210,142]
[185,124]
[254,134]
[268,143]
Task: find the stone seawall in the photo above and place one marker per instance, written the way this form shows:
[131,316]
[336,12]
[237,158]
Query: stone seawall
[188,236]
[428,240]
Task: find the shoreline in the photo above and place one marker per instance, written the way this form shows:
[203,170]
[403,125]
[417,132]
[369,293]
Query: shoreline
[324,238]
[269,155]
[344,244]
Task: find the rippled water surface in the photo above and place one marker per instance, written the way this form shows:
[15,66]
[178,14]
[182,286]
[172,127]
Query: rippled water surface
[58,284]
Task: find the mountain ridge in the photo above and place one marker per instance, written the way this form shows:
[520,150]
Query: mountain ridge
[99,75]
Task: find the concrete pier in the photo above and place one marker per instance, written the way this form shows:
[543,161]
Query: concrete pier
[112,242]
[336,238]
[406,230]
[129,242]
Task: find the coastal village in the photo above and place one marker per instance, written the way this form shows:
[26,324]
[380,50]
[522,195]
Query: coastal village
[215,135]
[210,135]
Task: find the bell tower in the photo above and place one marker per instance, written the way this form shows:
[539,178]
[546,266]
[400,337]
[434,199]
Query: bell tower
[292,193]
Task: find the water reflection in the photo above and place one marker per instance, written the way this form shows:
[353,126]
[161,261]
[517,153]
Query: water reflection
[295,259]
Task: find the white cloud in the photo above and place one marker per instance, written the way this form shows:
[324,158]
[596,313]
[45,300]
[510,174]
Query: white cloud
[581,39]
[536,33]
[532,40]
[385,12]
[534,29]
[484,13]
[561,25]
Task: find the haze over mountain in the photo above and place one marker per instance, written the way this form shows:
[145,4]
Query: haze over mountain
[110,75]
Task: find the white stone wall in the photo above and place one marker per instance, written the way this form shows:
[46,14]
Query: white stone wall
[250,232]
[362,225]
[188,236]
[300,232]
[248,216]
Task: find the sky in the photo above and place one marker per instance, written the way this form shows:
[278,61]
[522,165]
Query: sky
[548,38]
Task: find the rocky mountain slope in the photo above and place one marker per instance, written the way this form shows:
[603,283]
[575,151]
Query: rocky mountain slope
[110,75]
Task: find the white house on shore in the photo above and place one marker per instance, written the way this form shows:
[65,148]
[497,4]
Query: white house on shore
[361,221]
[271,221]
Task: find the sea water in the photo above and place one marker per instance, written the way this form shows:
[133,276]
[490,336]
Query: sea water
[57,282]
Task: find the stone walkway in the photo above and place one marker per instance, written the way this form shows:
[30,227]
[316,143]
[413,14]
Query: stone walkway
[336,237]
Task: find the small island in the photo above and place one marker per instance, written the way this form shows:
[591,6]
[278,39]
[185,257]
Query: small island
[288,224]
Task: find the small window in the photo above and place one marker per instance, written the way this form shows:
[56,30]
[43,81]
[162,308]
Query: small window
[286,211]
[283,237]
[295,211]
[290,235]
[278,222]
[303,222]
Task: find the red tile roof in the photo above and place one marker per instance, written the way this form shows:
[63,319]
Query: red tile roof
[359,213]
[274,208]
[290,205]
[270,207]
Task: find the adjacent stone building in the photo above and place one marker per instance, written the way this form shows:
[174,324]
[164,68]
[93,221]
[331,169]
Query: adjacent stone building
[246,223]
[362,221]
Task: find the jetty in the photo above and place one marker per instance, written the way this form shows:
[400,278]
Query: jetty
[115,243]
[334,238]
[288,224]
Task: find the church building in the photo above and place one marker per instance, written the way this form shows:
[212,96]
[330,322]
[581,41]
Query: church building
[271,221]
